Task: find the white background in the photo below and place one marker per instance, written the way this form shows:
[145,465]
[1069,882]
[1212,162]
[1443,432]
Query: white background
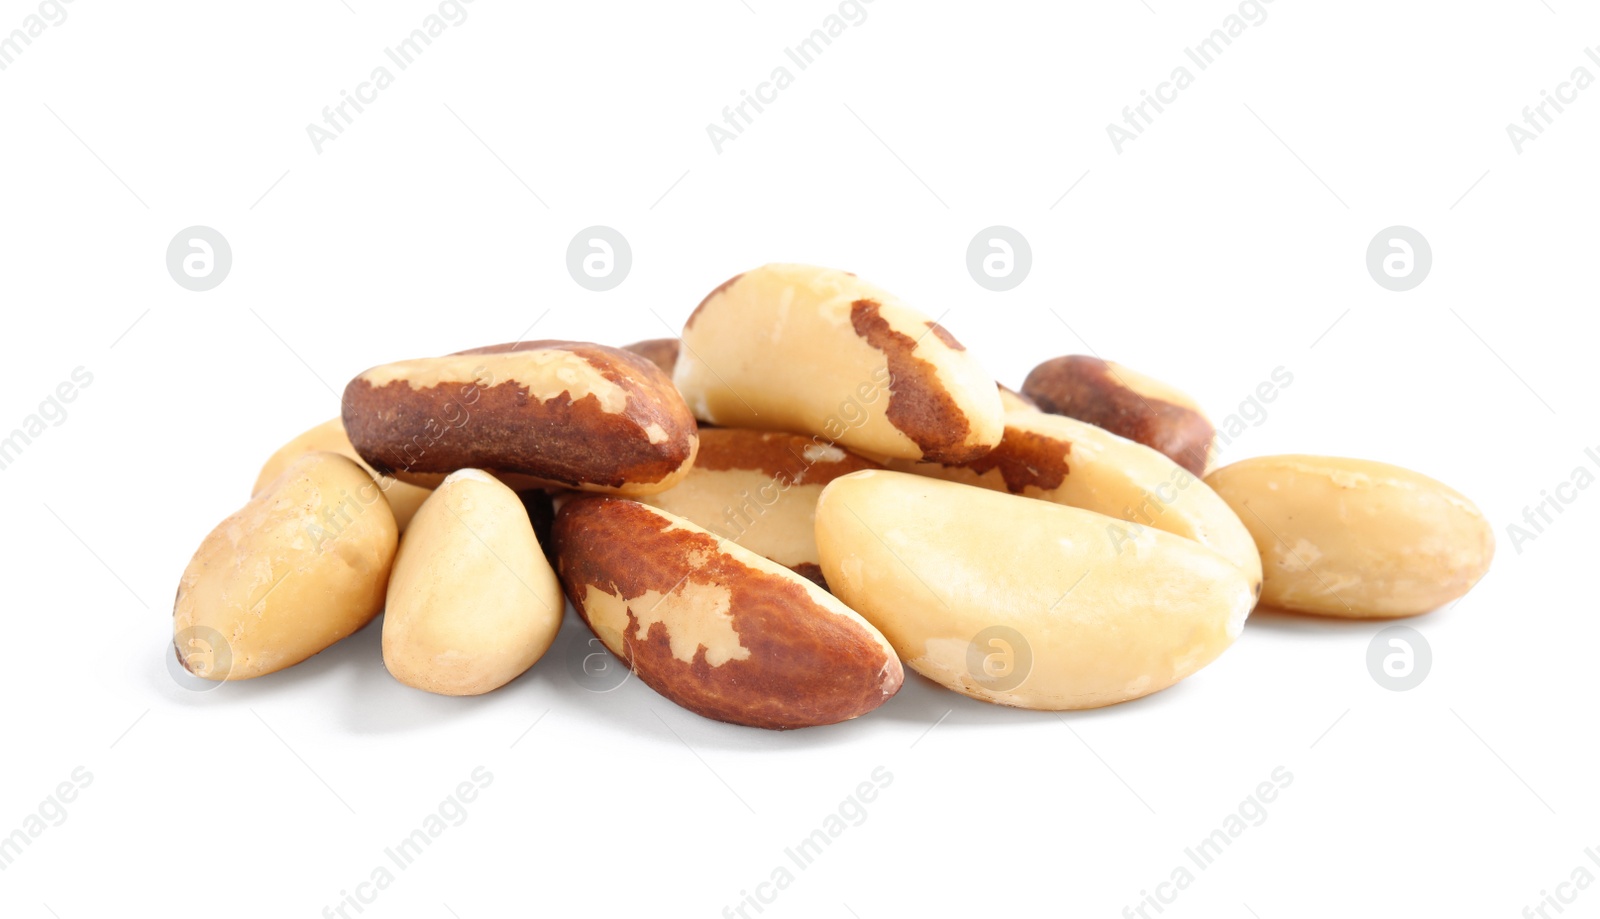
[1222,244]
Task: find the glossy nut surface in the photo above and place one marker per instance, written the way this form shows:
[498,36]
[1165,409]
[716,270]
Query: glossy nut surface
[1355,538]
[1022,602]
[1061,459]
[714,627]
[759,489]
[299,567]
[472,603]
[404,499]
[544,413]
[1124,402]
[818,351]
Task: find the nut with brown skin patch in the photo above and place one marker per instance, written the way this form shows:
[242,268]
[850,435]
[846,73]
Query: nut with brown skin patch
[759,489]
[404,499]
[917,406]
[543,413]
[663,352]
[301,566]
[1067,461]
[1124,402]
[945,336]
[813,350]
[714,627]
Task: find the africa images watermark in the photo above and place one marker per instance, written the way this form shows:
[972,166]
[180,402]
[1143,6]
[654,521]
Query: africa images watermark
[455,415]
[51,413]
[1252,412]
[1251,812]
[802,54]
[851,812]
[1538,517]
[1581,878]
[47,14]
[748,508]
[451,812]
[1538,117]
[403,54]
[338,516]
[52,812]
[1204,53]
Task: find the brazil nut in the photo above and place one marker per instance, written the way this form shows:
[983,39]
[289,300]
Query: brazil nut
[544,413]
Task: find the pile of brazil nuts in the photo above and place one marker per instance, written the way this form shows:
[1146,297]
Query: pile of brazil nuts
[769,517]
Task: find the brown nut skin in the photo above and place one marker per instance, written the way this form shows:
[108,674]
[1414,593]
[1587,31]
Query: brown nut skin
[663,352]
[714,627]
[404,499]
[1124,402]
[542,413]
[760,489]
[814,350]
[541,508]
[304,564]
[1356,539]
[1072,462]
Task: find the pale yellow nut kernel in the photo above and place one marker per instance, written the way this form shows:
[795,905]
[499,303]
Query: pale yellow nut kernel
[1356,538]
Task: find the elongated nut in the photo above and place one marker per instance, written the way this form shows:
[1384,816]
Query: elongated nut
[472,603]
[1355,538]
[714,627]
[1023,602]
[663,352]
[404,499]
[759,489]
[1124,402]
[1061,459]
[299,567]
[818,351]
[556,413]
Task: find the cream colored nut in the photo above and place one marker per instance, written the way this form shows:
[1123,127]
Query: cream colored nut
[817,351]
[1072,462]
[299,567]
[1013,401]
[1355,538]
[1124,402]
[759,489]
[1024,602]
[541,413]
[472,603]
[714,627]
[329,436]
